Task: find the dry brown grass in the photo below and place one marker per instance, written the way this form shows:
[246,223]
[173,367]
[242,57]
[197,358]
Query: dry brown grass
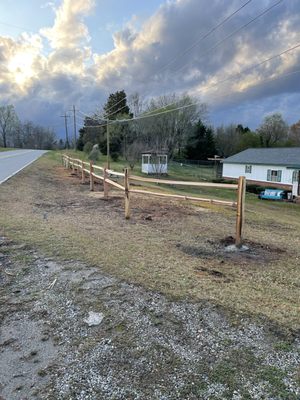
[179,251]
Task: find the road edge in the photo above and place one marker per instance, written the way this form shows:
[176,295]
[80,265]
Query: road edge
[19,170]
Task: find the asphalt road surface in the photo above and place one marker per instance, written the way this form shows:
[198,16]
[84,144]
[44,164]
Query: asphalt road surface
[11,162]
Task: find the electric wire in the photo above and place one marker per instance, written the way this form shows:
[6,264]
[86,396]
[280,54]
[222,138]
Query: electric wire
[265,11]
[105,116]
[192,104]
[204,36]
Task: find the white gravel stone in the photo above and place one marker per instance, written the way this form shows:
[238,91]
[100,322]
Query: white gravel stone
[94,318]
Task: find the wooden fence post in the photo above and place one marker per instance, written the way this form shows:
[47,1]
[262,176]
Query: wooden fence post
[105,184]
[73,168]
[127,198]
[82,173]
[91,176]
[240,210]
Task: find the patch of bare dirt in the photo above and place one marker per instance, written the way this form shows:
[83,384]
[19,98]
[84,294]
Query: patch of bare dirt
[256,253]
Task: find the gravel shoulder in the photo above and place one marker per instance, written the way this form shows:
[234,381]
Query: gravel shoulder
[145,347]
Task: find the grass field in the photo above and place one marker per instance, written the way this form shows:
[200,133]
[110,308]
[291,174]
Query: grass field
[175,170]
[174,247]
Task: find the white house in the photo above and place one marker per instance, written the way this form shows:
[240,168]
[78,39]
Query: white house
[278,167]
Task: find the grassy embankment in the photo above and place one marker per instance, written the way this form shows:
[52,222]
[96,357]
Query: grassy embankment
[6,149]
[178,252]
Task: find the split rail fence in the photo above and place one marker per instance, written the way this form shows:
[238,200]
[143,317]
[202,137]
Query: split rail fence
[105,175]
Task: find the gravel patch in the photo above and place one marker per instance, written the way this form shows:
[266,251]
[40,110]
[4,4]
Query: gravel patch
[143,346]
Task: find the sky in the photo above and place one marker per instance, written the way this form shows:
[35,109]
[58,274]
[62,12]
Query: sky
[59,53]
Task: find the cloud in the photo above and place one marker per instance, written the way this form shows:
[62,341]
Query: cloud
[156,59]
[68,29]
[19,61]
[166,54]
[49,4]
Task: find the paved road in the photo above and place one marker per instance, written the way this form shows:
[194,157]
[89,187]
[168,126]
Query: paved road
[11,162]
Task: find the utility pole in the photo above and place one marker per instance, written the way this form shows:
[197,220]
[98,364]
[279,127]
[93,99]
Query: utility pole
[107,144]
[66,126]
[74,126]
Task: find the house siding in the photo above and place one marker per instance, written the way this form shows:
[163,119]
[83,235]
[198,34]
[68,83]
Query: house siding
[258,173]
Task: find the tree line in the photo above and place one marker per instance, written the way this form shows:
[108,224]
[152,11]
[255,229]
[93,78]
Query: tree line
[27,135]
[181,129]
[175,124]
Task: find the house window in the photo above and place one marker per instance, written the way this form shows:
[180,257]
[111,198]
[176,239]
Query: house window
[274,175]
[295,176]
[248,169]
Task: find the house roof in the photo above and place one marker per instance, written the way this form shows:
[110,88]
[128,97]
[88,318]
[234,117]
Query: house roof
[287,156]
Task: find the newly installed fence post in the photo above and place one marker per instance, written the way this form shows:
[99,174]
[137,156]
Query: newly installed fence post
[127,199]
[105,184]
[240,210]
[91,176]
[82,173]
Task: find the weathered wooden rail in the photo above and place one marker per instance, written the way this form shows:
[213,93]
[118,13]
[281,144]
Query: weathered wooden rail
[84,169]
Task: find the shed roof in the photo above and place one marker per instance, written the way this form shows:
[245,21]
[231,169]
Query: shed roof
[155,152]
[287,156]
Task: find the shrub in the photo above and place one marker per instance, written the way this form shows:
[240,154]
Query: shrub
[256,189]
[94,154]
[88,147]
[252,188]
[114,156]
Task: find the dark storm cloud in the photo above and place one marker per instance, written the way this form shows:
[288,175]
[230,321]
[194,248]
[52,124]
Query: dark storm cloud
[157,60]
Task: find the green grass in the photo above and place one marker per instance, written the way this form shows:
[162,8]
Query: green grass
[6,149]
[190,173]
[175,170]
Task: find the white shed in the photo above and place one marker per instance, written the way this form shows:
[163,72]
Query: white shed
[154,163]
[278,167]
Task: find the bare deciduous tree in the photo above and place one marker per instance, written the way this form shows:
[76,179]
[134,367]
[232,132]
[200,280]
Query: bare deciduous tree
[8,123]
[294,134]
[168,131]
[273,131]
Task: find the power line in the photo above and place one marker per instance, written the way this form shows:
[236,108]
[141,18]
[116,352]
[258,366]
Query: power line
[255,65]
[205,36]
[184,52]
[94,117]
[124,98]
[108,115]
[283,75]
[265,11]
[15,26]
[243,71]
[192,104]
[74,125]
[234,32]
[65,116]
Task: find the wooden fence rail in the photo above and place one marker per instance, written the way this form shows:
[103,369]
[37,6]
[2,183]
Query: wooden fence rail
[108,175]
